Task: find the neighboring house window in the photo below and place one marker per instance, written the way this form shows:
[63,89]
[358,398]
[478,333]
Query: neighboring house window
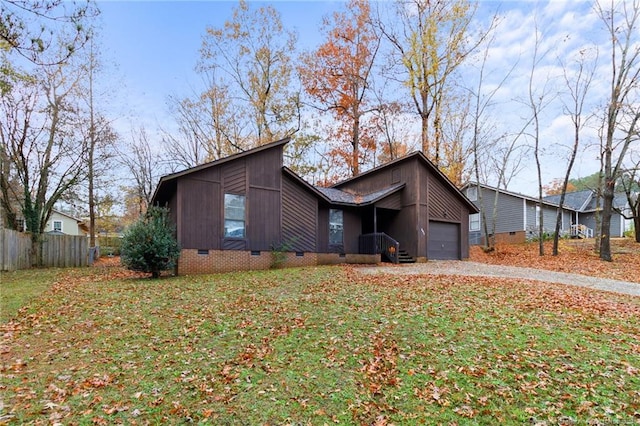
[472,193]
[234,222]
[21,225]
[57,226]
[336,227]
[474,222]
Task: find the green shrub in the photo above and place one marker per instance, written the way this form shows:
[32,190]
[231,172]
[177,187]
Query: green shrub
[149,245]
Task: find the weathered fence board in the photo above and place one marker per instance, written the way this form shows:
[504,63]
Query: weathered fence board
[15,250]
[61,251]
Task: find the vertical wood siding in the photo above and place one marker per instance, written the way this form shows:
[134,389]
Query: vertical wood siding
[200,221]
[263,226]
[264,170]
[299,217]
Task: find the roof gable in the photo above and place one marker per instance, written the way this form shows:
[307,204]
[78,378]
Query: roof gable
[167,182]
[425,162]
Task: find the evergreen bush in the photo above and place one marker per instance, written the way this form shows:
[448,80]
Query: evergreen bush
[149,245]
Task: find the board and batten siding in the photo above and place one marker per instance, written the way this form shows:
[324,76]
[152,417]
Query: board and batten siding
[263,224]
[299,217]
[200,227]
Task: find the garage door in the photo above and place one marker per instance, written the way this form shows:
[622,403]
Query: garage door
[443,242]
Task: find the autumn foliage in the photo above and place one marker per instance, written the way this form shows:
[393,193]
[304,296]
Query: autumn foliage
[337,76]
[576,256]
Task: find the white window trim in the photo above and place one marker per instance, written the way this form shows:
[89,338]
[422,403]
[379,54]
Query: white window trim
[479,222]
[244,220]
[53,225]
[472,193]
[341,224]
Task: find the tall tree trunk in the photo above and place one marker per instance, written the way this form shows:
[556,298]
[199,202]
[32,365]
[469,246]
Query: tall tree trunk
[355,160]
[91,156]
[607,209]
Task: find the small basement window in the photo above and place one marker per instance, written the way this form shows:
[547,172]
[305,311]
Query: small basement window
[255,252]
[203,251]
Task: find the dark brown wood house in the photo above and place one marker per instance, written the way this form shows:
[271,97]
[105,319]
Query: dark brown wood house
[248,211]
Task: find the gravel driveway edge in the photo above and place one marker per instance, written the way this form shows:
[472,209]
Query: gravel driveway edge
[468,268]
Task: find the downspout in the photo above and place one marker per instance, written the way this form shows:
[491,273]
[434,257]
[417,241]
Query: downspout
[375,219]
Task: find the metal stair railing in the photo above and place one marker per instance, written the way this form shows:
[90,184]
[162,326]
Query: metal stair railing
[379,243]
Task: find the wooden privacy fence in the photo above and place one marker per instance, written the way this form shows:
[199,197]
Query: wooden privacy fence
[15,250]
[57,250]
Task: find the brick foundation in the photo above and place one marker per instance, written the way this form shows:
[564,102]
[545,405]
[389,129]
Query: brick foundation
[192,262]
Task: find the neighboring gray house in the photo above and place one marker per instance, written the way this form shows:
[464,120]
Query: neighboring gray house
[517,217]
[584,206]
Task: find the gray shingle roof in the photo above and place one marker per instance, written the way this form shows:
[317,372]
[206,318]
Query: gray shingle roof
[344,197]
[573,200]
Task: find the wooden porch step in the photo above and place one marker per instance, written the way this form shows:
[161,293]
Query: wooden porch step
[404,257]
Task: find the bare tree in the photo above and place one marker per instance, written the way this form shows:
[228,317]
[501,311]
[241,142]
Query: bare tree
[42,146]
[537,100]
[143,165]
[99,137]
[578,82]
[630,182]
[622,20]
[208,126]
[485,147]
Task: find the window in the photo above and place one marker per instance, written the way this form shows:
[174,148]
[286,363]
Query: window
[234,222]
[472,193]
[57,226]
[336,227]
[474,222]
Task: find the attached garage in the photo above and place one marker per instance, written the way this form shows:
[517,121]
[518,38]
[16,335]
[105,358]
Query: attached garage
[443,242]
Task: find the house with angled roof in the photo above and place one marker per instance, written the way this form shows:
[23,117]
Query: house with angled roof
[517,215]
[63,223]
[236,212]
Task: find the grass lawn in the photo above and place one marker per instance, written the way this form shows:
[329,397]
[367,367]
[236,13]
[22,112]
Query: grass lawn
[17,289]
[317,346]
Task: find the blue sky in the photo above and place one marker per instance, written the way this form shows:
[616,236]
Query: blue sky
[156,46]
